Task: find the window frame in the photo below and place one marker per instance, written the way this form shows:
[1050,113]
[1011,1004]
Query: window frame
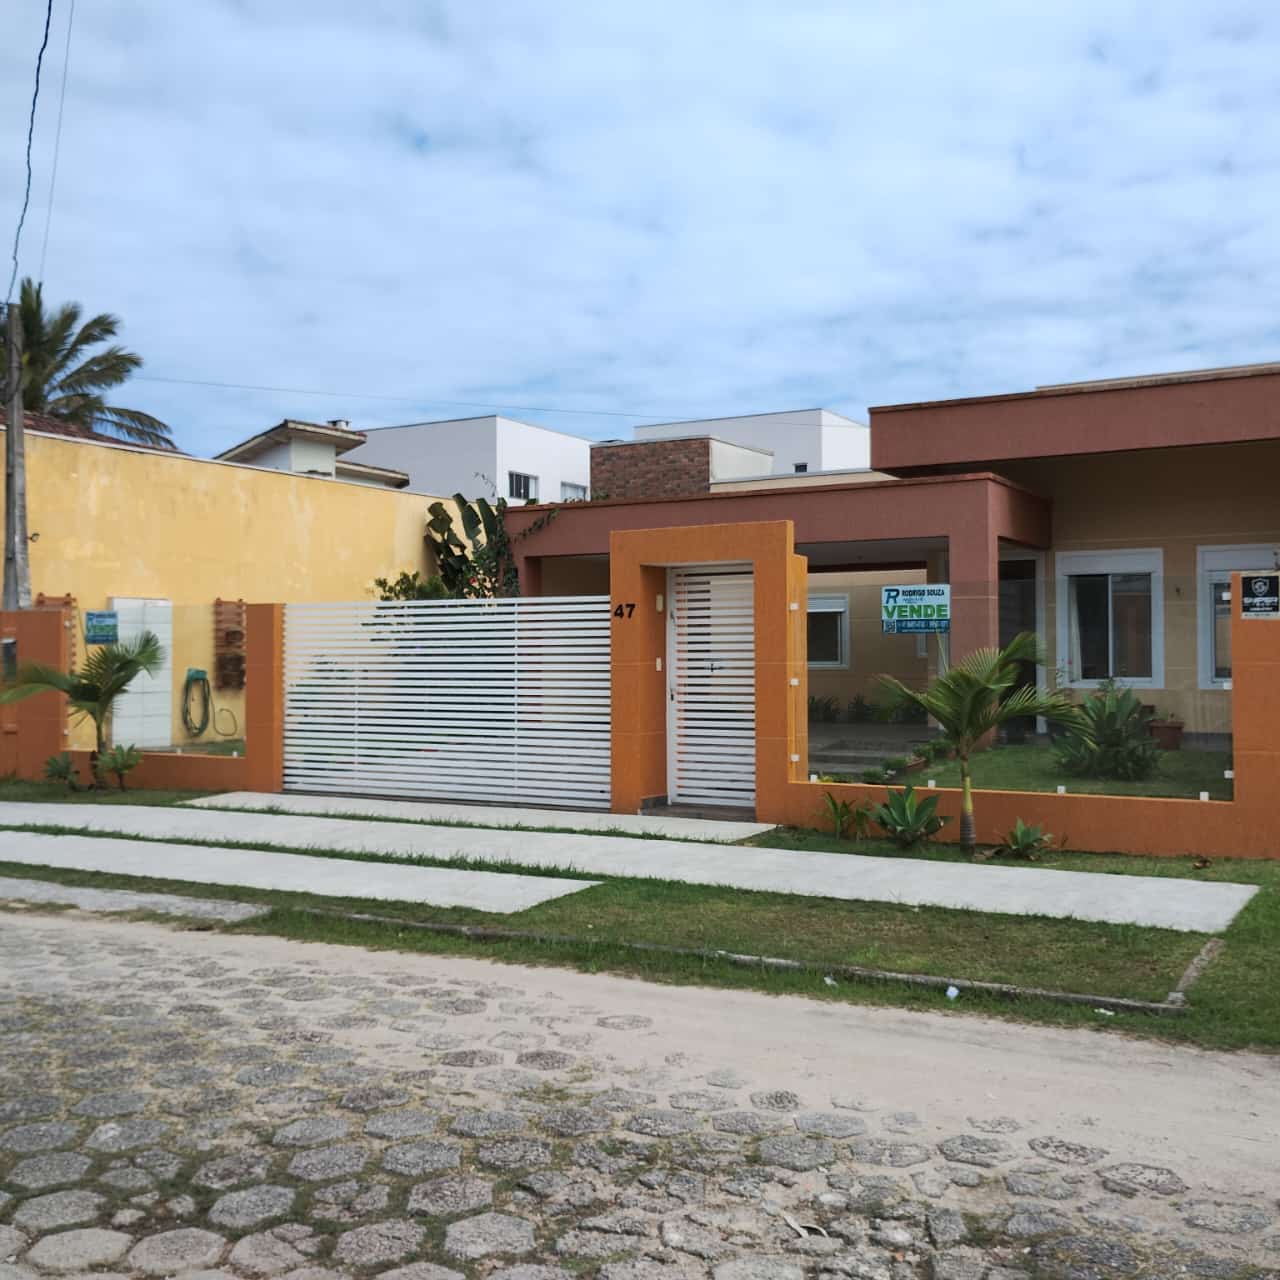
[1213,559]
[1070,564]
[831,604]
[581,494]
[531,496]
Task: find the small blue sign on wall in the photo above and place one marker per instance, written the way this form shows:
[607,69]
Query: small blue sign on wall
[101,626]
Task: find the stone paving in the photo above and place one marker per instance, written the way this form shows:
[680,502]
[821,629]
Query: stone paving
[173,1106]
[167,904]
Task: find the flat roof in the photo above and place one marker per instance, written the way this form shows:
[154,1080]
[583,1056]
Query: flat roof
[1101,384]
[695,435]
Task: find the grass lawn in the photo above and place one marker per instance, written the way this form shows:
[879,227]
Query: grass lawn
[1032,768]
[1231,1007]
[57,793]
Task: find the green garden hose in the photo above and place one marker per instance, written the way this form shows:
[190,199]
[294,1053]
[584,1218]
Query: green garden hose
[197,685]
[197,681]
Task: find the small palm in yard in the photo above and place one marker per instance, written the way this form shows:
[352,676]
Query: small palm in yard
[92,691]
[976,696]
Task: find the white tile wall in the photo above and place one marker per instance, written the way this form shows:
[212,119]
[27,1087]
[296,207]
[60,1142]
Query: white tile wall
[143,713]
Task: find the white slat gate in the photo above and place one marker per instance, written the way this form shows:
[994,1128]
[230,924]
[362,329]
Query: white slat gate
[711,710]
[491,700]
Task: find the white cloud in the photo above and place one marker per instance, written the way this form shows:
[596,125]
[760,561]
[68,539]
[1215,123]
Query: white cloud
[663,208]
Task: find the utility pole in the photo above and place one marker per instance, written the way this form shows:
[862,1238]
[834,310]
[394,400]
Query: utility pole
[17,570]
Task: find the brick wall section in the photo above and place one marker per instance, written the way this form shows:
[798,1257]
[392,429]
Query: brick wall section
[651,469]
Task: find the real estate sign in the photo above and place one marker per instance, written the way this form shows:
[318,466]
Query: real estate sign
[101,626]
[916,608]
[1260,595]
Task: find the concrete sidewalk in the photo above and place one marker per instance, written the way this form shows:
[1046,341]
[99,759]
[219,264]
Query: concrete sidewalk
[1189,905]
[708,830]
[253,869]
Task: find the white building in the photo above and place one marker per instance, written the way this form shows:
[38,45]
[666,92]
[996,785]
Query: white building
[313,449]
[800,440]
[481,457]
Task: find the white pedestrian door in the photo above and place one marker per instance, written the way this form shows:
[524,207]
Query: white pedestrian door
[711,704]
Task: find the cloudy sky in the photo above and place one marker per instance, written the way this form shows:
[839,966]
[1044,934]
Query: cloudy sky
[593,214]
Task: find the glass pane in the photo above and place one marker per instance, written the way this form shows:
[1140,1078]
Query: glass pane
[1221,629]
[824,637]
[1131,625]
[1088,622]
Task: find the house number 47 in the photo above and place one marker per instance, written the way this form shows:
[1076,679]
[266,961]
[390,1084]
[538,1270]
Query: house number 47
[625,610]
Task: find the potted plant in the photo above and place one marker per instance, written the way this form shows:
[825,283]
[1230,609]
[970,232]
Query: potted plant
[1168,732]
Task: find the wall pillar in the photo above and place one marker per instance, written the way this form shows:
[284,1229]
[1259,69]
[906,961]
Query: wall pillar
[264,697]
[975,583]
[1255,713]
[33,730]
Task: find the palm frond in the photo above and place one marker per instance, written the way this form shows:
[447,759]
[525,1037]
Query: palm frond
[133,424]
[63,375]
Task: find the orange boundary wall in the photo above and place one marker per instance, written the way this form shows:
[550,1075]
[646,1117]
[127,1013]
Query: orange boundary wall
[1246,827]
[33,730]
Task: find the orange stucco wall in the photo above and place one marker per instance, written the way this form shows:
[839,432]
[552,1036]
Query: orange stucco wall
[1247,827]
[33,730]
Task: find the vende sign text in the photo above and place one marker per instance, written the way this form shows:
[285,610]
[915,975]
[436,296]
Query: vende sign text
[921,608]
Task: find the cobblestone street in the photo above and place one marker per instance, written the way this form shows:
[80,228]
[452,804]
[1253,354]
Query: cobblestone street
[203,1103]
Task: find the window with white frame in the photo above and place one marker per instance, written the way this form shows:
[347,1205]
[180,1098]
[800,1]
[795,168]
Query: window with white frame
[1111,617]
[521,486]
[572,492]
[828,631]
[1214,567]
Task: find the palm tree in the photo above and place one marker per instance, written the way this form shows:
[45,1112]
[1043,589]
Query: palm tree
[976,696]
[92,691]
[64,377]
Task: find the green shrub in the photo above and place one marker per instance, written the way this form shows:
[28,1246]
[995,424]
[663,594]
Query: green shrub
[846,818]
[874,776]
[1114,741]
[824,710]
[908,820]
[896,764]
[119,760]
[60,769]
[1023,841]
[861,711]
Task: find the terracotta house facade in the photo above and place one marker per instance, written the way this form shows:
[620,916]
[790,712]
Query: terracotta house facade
[1107,516]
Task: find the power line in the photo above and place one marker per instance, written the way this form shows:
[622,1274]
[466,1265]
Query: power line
[489,405]
[31,130]
[357,395]
[57,140]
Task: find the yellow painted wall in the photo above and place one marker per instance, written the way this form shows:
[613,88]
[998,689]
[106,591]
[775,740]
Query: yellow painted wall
[871,652]
[115,521]
[1177,500]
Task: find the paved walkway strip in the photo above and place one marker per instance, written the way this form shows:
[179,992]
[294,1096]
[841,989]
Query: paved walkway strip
[165,904]
[1189,905]
[707,830]
[253,869]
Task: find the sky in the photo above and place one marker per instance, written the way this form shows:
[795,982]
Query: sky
[592,215]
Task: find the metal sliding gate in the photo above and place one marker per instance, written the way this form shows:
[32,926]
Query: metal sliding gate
[711,664]
[492,700]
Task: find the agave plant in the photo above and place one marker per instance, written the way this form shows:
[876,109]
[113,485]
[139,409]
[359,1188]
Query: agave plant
[92,691]
[976,696]
[1116,742]
[907,818]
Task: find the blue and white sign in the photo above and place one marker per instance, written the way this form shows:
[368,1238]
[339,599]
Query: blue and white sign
[923,607]
[101,626]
